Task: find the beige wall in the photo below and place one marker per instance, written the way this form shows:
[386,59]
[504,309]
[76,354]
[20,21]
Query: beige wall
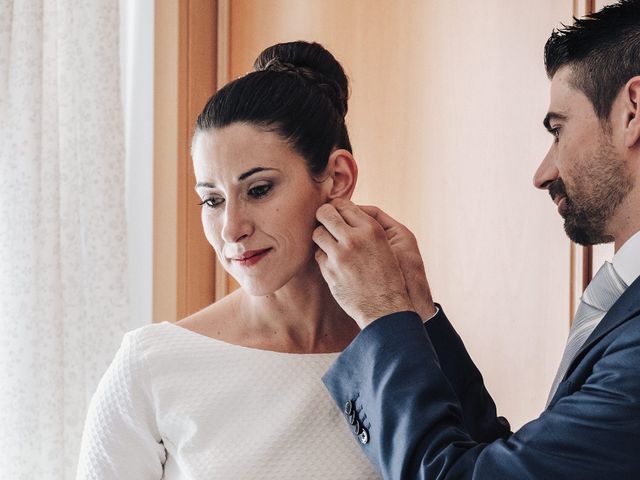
[446,122]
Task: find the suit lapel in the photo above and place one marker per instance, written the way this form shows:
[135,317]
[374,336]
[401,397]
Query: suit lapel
[627,306]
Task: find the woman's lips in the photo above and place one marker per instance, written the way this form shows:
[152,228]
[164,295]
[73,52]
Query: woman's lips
[251,257]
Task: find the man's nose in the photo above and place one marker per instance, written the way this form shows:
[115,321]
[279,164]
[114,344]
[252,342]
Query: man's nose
[237,223]
[547,171]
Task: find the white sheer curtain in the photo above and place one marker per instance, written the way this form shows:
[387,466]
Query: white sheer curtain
[63,242]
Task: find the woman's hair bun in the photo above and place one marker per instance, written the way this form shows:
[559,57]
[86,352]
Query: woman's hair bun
[299,91]
[312,63]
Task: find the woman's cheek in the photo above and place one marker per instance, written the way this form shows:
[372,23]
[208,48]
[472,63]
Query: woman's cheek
[211,232]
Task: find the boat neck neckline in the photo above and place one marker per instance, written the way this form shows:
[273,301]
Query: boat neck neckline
[243,347]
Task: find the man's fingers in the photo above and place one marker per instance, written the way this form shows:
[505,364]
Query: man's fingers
[359,220]
[370,210]
[321,258]
[351,213]
[387,221]
[325,241]
[333,221]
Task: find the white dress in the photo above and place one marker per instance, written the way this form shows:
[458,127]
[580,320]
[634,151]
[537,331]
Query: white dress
[175,404]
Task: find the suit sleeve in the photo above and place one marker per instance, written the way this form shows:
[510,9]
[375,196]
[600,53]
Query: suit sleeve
[416,426]
[121,438]
[478,408]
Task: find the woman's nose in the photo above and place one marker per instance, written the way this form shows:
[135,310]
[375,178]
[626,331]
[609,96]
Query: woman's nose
[237,223]
[547,171]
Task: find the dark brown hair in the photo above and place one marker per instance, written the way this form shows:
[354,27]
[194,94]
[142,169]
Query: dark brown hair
[298,90]
[604,51]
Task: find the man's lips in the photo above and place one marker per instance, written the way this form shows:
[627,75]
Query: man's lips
[561,202]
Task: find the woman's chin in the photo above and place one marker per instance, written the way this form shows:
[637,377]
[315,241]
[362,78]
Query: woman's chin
[271,282]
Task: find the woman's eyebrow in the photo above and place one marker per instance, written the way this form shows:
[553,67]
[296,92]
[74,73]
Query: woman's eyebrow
[248,173]
[244,176]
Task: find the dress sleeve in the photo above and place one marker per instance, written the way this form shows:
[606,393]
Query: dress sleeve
[121,438]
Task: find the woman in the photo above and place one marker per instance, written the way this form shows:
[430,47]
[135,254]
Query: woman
[234,391]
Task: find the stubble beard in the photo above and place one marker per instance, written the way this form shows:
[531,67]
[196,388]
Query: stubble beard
[597,192]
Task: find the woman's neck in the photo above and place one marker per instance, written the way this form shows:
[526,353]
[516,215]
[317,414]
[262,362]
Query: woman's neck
[301,317]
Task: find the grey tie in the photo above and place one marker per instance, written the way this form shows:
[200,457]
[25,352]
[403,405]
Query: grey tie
[599,296]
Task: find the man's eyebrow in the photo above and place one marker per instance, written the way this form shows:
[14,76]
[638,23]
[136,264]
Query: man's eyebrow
[242,177]
[552,116]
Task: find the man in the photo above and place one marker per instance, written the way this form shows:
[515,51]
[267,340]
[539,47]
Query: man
[411,393]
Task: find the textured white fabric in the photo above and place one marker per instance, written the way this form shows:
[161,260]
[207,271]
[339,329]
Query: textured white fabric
[599,296]
[175,404]
[63,305]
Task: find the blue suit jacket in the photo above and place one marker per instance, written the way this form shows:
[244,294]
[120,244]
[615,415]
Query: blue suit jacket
[424,411]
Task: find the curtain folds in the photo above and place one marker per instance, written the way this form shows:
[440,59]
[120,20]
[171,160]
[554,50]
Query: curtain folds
[63,238]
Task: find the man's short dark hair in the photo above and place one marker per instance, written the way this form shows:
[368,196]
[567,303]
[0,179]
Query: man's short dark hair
[604,51]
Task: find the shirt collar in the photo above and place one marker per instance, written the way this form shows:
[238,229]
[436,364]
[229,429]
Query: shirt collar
[627,260]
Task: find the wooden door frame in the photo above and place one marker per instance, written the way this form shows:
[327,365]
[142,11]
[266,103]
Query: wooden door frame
[581,258]
[186,51]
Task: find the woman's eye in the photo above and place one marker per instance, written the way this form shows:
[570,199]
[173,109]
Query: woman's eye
[212,202]
[260,190]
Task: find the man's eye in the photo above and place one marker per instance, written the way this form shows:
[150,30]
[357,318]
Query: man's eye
[260,190]
[212,202]
[555,132]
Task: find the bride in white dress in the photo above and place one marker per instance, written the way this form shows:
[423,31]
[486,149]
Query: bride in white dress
[234,391]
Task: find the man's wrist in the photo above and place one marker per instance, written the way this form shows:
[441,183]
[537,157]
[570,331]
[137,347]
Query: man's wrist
[373,315]
[430,315]
[365,322]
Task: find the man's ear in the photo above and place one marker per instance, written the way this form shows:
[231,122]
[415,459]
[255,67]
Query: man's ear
[631,99]
[342,170]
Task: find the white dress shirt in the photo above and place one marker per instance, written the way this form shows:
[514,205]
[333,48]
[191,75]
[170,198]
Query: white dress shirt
[626,261]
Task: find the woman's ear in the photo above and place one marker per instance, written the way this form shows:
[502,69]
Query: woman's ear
[631,94]
[343,171]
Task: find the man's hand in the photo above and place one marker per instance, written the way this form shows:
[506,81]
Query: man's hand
[358,263]
[405,248]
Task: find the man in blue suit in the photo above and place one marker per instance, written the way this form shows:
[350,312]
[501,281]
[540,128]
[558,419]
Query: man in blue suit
[411,393]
